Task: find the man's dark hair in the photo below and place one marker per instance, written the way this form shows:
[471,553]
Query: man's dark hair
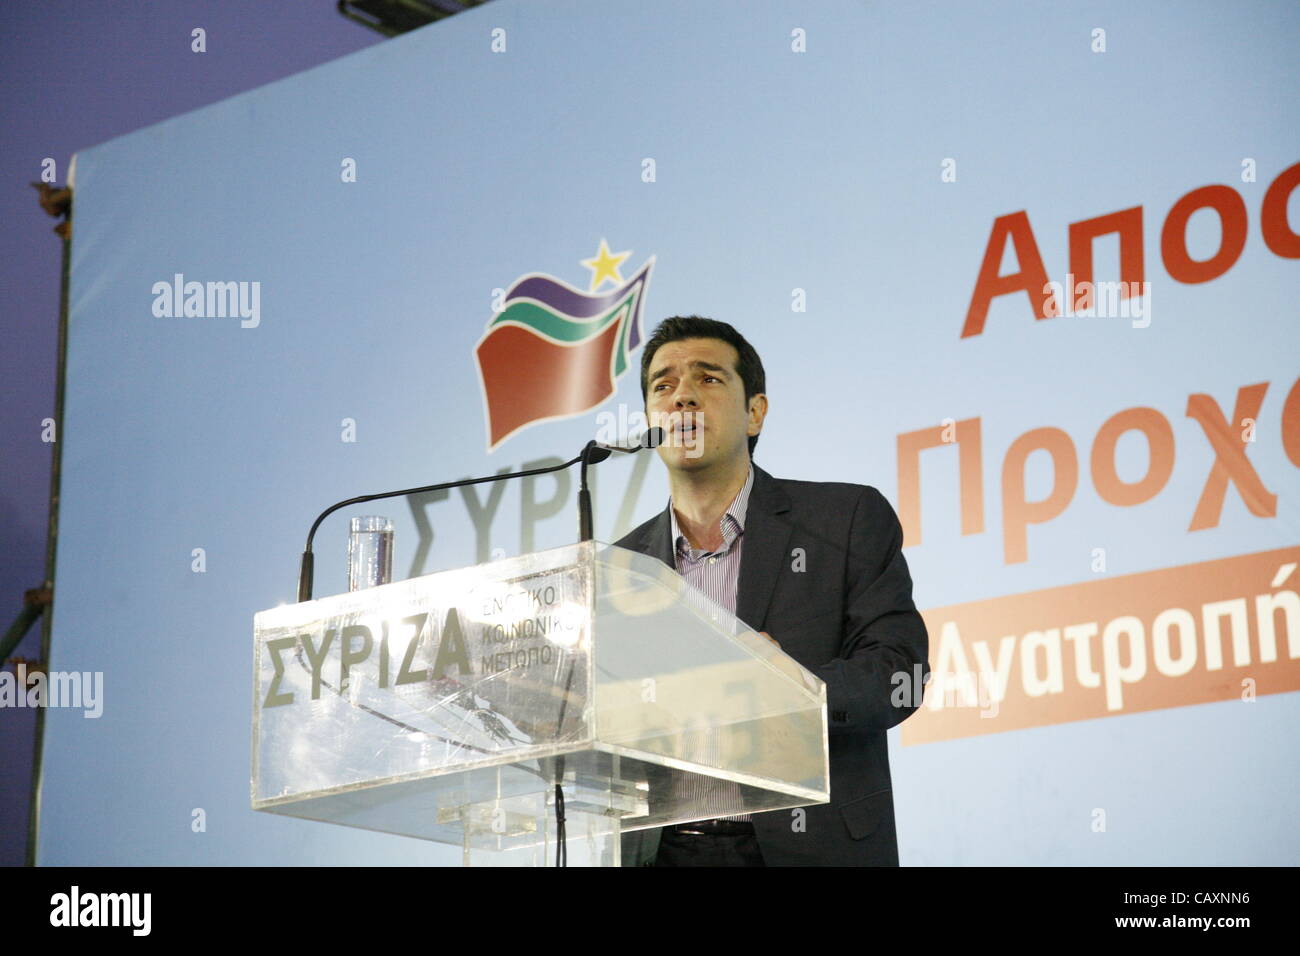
[748,365]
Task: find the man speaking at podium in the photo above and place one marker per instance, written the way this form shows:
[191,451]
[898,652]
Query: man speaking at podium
[846,614]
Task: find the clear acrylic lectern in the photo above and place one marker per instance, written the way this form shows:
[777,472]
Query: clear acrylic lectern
[446,707]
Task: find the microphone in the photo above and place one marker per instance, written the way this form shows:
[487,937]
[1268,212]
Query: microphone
[650,438]
[306,570]
[593,452]
[596,452]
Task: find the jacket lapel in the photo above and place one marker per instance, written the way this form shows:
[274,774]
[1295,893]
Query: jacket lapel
[767,532]
[658,542]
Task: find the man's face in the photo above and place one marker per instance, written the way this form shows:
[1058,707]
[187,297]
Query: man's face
[694,381]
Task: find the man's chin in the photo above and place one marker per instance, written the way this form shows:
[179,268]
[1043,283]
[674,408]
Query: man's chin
[684,458]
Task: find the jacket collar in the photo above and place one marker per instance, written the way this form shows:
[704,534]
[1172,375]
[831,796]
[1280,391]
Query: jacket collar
[767,532]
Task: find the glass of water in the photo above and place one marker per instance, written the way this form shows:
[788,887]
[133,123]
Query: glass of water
[370,552]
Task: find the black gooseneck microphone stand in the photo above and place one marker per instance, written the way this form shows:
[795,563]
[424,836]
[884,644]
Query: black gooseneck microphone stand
[592,453]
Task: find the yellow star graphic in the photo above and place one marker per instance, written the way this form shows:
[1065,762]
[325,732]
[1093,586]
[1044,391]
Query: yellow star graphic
[604,265]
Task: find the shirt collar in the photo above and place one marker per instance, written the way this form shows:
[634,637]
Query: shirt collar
[736,512]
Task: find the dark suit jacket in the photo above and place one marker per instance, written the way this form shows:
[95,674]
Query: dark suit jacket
[846,615]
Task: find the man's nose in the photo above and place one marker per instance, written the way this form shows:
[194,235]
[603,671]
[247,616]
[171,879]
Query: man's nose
[685,397]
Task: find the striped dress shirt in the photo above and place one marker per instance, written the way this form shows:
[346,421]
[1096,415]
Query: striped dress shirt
[717,575]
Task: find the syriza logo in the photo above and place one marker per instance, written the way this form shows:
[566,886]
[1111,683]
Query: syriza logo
[551,351]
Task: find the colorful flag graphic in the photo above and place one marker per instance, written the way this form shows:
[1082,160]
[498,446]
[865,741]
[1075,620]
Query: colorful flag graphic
[554,351]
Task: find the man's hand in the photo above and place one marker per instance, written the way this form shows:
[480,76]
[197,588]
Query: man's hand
[785,663]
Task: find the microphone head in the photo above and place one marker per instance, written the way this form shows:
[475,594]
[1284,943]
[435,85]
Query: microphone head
[596,453]
[653,437]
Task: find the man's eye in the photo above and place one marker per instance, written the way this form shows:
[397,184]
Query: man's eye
[715,378]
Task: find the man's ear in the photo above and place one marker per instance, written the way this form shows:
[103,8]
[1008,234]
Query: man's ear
[757,412]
